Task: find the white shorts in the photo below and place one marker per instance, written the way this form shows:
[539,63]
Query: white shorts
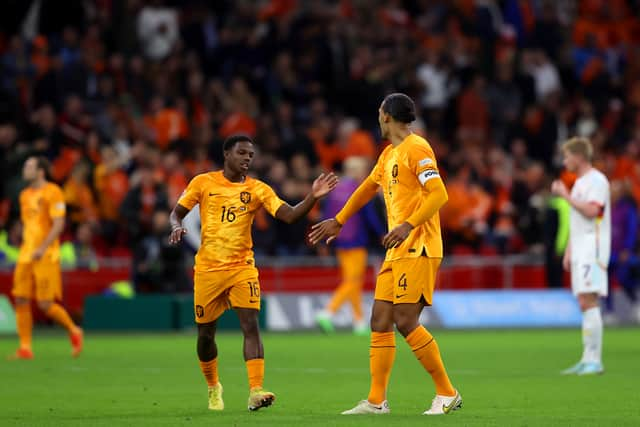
[589,277]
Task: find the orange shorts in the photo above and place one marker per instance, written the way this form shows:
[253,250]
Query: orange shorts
[43,275]
[216,291]
[407,280]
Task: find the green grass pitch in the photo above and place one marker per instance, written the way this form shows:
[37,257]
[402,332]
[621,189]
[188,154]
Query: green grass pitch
[507,378]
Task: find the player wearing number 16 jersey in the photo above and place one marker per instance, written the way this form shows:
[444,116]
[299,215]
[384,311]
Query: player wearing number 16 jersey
[587,255]
[225,274]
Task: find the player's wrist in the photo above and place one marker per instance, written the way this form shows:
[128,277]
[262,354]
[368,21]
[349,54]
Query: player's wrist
[340,224]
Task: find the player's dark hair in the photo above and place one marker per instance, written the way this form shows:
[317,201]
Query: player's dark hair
[231,142]
[43,164]
[400,107]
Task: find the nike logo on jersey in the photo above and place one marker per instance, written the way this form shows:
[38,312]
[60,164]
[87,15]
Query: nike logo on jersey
[213,194]
[252,301]
[400,296]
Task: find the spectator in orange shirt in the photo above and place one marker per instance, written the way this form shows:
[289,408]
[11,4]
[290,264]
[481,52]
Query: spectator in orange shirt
[81,205]
[466,213]
[174,175]
[166,123]
[111,184]
[356,142]
[327,150]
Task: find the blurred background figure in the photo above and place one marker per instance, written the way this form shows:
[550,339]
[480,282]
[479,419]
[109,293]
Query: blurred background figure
[10,243]
[624,265]
[351,246]
[159,266]
[79,253]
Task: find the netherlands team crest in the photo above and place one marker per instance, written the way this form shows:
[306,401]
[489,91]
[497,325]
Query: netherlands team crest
[394,171]
[199,311]
[245,197]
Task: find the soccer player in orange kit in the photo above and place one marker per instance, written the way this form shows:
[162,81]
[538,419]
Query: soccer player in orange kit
[42,211]
[225,273]
[413,193]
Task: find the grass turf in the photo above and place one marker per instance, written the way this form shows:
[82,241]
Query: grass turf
[507,378]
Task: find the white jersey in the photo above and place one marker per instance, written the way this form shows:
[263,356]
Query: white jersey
[590,238]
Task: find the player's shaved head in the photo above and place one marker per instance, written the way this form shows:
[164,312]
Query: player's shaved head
[231,142]
[400,107]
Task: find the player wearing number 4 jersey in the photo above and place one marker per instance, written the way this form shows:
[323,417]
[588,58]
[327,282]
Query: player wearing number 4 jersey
[225,275]
[587,255]
[413,193]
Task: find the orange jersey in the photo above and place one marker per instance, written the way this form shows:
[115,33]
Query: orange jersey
[402,172]
[227,210]
[38,208]
[79,198]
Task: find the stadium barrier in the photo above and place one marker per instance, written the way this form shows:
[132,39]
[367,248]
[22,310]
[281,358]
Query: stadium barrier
[7,316]
[159,312]
[451,309]
[294,288]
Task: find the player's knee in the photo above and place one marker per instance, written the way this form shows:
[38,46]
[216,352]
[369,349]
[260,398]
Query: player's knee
[381,325]
[249,326]
[587,302]
[206,332]
[44,305]
[22,301]
[404,323]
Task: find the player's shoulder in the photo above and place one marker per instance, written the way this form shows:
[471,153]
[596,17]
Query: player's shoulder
[52,189]
[203,178]
[417,148]
[599,176]
[416,140]
[595,178]
[256,184]
[417,143]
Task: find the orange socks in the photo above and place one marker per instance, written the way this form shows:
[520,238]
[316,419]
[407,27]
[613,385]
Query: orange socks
[210,371]
[24,322]
[60,315]
[426,351]
[255,371]
[381,355]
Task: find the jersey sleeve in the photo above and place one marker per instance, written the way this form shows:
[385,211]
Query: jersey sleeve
[57,207]
[422,162]
[597,192]
[269,198]
[378,170]
[191,195]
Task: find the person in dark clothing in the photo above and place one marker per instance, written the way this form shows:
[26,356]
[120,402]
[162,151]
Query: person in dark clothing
[624,263]
[159,266]
[142,200]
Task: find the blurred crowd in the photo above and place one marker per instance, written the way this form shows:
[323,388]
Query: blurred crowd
[130,99]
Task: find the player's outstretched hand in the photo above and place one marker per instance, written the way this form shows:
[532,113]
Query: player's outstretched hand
[324,184]
[327,229]
[396,236]
[559,189]
[176,235]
